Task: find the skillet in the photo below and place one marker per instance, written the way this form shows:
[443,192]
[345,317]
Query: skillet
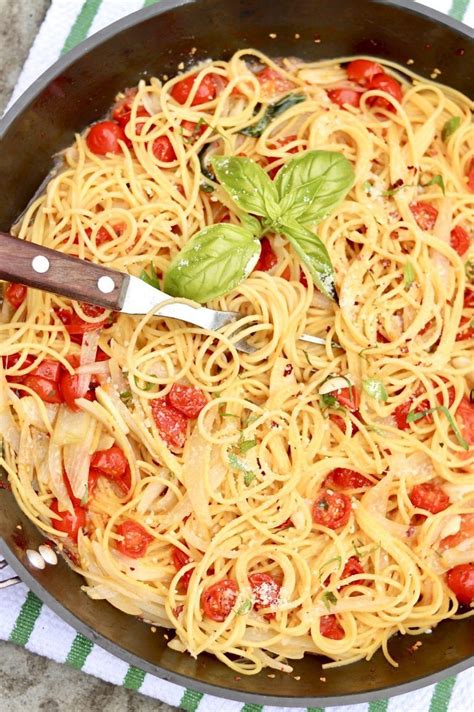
[78,90]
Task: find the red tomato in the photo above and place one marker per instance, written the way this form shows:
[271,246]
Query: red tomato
[124,105]
[343,96]
[192,128]
[163,149]
[102,235]
[69,386]
[330,627]
[171,423]
[180,559]
[347,397]
[466,331]
[341,423]
[351,568]
[218,600]
[460,580]
[267,259]
[469,299]
[466,531]
[15,294]
[48,391]
[11,360]
[125,116]
[92,480]
[459,240]
[280,143]
[331,510]
[111,462]
[69,523]
[389,85]
[205,92]
[400,413]
[465,412]
[363,71]
[135,539]
[186,399]
[273,81]
[425,214]
[341,479]
[430,497]
[75,326]
[49,369]
[470,177]
[104,137]
[266,592]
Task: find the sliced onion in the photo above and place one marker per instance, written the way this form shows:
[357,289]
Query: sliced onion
[71,426]
[90,342]
[56,479]
[32,413]
[375,502]
[196,459]
[8,428]
[98,368]
[152,492]
[459,555]
[77,460]
[281,387]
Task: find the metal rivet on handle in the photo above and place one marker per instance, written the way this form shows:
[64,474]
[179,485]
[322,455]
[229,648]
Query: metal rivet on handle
[40,264]
[106,284]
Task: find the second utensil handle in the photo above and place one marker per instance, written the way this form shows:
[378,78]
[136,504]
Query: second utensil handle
[52,271]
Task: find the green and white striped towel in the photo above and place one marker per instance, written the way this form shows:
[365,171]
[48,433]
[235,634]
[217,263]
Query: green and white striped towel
[24,620]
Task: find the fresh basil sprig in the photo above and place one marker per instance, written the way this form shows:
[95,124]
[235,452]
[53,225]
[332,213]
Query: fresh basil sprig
[271,112]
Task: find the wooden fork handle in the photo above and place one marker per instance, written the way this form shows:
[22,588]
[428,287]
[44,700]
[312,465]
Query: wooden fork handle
[53,271]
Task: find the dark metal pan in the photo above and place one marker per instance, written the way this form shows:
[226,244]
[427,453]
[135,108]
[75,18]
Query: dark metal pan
[77,90]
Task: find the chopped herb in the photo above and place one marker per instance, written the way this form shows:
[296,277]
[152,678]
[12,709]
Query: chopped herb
[251,419]
[236,464]
[367,186]
[308,361]
[249,478]
[246,445]
[413,416]
[436,180]
[469,269]
[362,352]
[224,414]
[329,401]
[375,389]
[329,599]
[408,274]
[395,187]
[147,387]
[206,187]
[85,496]
[450,127]
[327,563]
[357,552]
[126,397]
[150,277]
[245,607]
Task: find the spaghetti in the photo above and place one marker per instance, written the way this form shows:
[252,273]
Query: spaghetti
[299,499]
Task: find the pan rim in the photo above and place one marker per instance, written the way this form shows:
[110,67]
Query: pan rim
[17,108]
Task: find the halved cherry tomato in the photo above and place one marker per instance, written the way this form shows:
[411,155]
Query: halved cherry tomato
[218,600]
[466,331]
[331,510]
[466,531]
[273,81]
[343,96]
[69,523]
[351,568]
[112,462]
[15,294]
[387,84]
[470,177]
[104,137]
[124,105]
[11,360]
[49,369]
[171,423]
[193,129]
[341,423]
[135,539]
[180,559]
[460,580]
[459,240]
[103,234]
[75,326]
[186,399]
[330,627]
[347,397]
[363,71]
[469,299]
[465,412]
[400,413]
[425,214]
[69,385]
[267,259]
[280,143]
[48,391]
[342,478]
[205,92]
[163,149]
[430,497]
[266,592]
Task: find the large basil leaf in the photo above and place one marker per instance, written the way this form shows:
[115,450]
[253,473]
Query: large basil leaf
[271,112]
[313,253]
[212,263]
[248,185]
[311,185]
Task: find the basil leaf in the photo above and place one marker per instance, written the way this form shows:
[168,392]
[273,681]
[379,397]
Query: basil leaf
[408,274]
[414,415]
[436,180]
[248,185]
[212,263]
[246,445]
[469,269]
[249,478]
[245,607]
[375,389]
[126,397]
[236,464]
[313,253]
[251,224]
[151,279]
[271,112]
[328,599]
[450,127]
[312,184]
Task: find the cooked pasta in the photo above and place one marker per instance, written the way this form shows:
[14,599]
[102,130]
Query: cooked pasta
[301,498]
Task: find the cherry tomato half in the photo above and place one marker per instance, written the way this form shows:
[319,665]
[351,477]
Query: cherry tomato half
[48,391]
[49,369]
[186,399]
[387,84]
[267,259]
[266,592]
[111,462]
[171,423]
[104,137]
[459,240]
[205,92]
[69,523]
[180,559]
[330,627]
[331,510]
[342,96]
[135,539]
[461,582]
[273,81]
[466,331]
[465,413]
[342,478]
[15,294]
[425,214]
[218,600]
[69,386]
[430,497]
[163,149]
[347,397]
[363,71]
[351,568]
[466,531]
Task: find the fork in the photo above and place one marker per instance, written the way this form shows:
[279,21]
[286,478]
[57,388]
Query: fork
[54,271]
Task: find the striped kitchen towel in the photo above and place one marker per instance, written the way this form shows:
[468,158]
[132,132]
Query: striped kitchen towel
[24,620]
